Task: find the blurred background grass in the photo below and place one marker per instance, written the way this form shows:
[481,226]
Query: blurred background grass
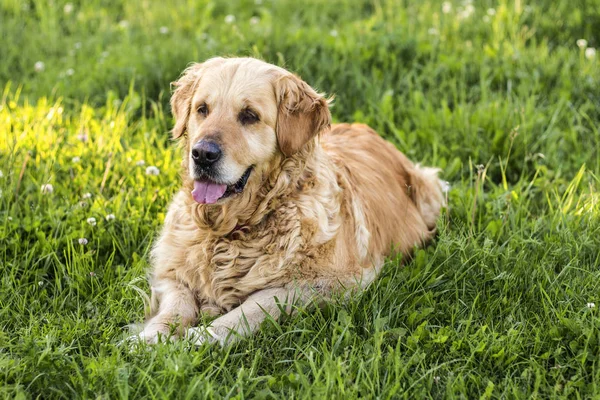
[414,70]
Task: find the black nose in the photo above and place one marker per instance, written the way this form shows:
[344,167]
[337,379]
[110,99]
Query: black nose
[205,153]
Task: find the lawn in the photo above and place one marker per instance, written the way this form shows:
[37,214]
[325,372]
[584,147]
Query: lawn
[503,96]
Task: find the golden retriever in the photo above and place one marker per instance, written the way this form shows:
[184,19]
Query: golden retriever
[277,207]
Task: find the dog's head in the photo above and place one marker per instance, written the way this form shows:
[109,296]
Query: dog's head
[237,115]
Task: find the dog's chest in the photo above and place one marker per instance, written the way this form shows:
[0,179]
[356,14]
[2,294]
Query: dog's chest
[231,268]
[294,243]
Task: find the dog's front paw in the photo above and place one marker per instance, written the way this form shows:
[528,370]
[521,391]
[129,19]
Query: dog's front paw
[204,334]
[149,335]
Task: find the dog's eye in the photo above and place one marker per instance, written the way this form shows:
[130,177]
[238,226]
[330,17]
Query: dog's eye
[203,109]
[247,117]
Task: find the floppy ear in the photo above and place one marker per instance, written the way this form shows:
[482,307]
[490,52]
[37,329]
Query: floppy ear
[302,114]
[181,100]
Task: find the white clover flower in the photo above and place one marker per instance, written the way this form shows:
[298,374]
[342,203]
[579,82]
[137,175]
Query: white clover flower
[591,305]
[140,163]
[163,30]
[229,19]
[124,24]
[41,283]
[70,72]
[466,13]
[333,33]
[152,170]
[446,7]
[1,174]
[83,241]
[491,12]
[68,8]
[110,217]
[76,159]
[77,45]
[91,221]
[254,21]
[590,53]
[47,188]
[581,43]
[104,54]
[445,186]
[87,196]
[433,32]
[39,66]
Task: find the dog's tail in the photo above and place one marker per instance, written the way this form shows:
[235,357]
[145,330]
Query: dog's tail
[428,193]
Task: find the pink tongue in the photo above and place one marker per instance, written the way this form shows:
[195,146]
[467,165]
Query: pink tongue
[207,192]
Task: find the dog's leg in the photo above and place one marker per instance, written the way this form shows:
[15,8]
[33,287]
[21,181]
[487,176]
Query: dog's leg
[177,309]
[246,319]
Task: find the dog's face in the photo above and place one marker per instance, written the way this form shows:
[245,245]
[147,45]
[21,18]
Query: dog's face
[238,114]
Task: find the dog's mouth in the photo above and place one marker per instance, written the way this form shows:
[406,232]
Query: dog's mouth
[207,191]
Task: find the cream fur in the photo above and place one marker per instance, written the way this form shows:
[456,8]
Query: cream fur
[321,210]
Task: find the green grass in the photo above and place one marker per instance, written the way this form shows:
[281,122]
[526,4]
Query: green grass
[506,104]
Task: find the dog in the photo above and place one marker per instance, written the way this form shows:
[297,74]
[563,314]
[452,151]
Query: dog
[277,208]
